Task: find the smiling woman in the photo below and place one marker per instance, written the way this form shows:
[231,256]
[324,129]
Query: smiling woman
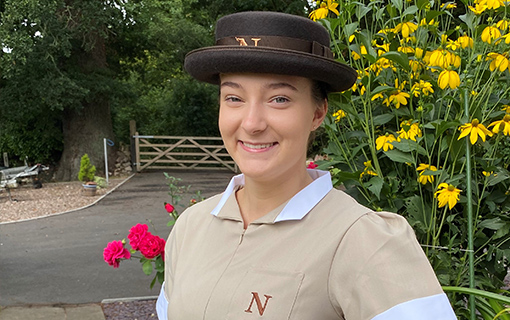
[281,242]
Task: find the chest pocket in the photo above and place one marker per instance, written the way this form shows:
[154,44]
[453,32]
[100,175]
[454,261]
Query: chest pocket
[265,294]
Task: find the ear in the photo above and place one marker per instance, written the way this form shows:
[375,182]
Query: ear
[320,113]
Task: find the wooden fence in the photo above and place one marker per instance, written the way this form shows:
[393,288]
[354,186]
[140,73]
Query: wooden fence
[173,152]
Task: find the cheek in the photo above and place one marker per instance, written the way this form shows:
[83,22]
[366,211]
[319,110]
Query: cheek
[225,122]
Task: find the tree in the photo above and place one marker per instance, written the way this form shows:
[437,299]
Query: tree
[55,80]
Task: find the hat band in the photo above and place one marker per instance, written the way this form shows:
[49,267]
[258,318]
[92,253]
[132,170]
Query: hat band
[278,42]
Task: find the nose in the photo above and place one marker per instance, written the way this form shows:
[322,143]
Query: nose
[254,119]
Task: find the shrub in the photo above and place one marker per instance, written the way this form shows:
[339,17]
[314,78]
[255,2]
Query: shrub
[87,170]
[425,130]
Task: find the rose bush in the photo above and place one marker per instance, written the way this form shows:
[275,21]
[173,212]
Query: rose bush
[151,247]
[114,252]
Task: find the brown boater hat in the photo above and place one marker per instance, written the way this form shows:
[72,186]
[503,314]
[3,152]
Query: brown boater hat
[270,42]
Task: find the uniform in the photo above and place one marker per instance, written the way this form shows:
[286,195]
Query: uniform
[321,255]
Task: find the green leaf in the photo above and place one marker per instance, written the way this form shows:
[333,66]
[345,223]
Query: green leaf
[493,224]
[399,156]
[422,3]
[349,29]
[497,178]
[410,10]
[147,267]
[153,282]
[380,89]
[170,223]
[398,57]
[361,10]
[468,19]
[407,145]
[375,185]
[399,4]
[382,119]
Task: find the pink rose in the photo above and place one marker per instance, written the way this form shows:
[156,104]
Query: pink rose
[137,234]
[311,165]
[169,208]
[151,246]
[115,251]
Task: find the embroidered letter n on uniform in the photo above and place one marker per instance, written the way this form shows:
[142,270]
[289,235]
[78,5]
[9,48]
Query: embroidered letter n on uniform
[256,298]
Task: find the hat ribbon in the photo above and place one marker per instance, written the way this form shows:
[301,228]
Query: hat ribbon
[278,42]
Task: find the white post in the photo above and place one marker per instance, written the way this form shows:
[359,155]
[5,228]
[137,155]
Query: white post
[105,160]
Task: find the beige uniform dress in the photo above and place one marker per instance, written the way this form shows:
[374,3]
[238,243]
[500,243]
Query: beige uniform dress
[321,255]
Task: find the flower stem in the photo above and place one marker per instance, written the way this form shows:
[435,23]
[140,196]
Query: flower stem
[470,215]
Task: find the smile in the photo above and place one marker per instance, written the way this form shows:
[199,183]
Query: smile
[259,146]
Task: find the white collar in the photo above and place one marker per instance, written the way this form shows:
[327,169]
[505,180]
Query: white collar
[299,205]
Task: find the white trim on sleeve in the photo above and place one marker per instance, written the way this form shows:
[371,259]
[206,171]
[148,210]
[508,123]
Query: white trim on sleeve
[162,304]
[435,307]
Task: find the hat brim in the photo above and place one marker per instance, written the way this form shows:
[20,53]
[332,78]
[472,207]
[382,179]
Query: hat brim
[206,64]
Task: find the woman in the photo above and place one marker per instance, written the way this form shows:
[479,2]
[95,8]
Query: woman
[280,242]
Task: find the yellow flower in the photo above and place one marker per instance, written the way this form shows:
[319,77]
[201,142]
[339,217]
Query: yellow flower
[368,169]
[503,24]
[422,87]
[447,194]
[453,45]
[444,59]
[397,98]
[506,108]
[465,41]
[478,8]
[503,124]
[449,5]
[424,178]
[418,53]
[474,129]
[499,61]
[356,56]
[339,115]
[492,4]
[487,174]
[406,28]
[409,131]
[323,10]
[490,33]
[448,78]
[384,142]
[405,49]
[415,65]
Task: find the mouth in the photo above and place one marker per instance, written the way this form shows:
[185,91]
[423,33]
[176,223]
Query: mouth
[257,146]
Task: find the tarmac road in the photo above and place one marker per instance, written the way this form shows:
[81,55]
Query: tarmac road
[58,259]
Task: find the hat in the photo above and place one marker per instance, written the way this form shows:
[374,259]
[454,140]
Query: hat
[270,42]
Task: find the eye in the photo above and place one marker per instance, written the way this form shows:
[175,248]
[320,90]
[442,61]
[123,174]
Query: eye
[232,99]
[280,99]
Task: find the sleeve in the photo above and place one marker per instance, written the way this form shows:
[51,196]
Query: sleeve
[380,272]
[171,256]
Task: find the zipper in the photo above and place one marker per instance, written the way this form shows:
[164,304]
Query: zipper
[242,236]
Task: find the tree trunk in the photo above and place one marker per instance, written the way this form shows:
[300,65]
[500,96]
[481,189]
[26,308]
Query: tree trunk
[84,131]
[85,128]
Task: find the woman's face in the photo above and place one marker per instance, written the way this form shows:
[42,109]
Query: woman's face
[265,121]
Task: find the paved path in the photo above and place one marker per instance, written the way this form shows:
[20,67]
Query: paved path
[58,260]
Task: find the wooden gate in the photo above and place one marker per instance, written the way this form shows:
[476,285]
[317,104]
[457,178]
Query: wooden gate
[174,152]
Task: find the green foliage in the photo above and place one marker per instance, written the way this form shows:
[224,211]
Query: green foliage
[399,146]
[87,170]
[100,182]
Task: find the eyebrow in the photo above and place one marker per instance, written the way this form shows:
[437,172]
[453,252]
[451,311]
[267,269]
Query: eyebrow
[279,85]
[230,84]
[276,85]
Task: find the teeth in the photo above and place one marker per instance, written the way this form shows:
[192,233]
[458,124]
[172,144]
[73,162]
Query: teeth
[257,146]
